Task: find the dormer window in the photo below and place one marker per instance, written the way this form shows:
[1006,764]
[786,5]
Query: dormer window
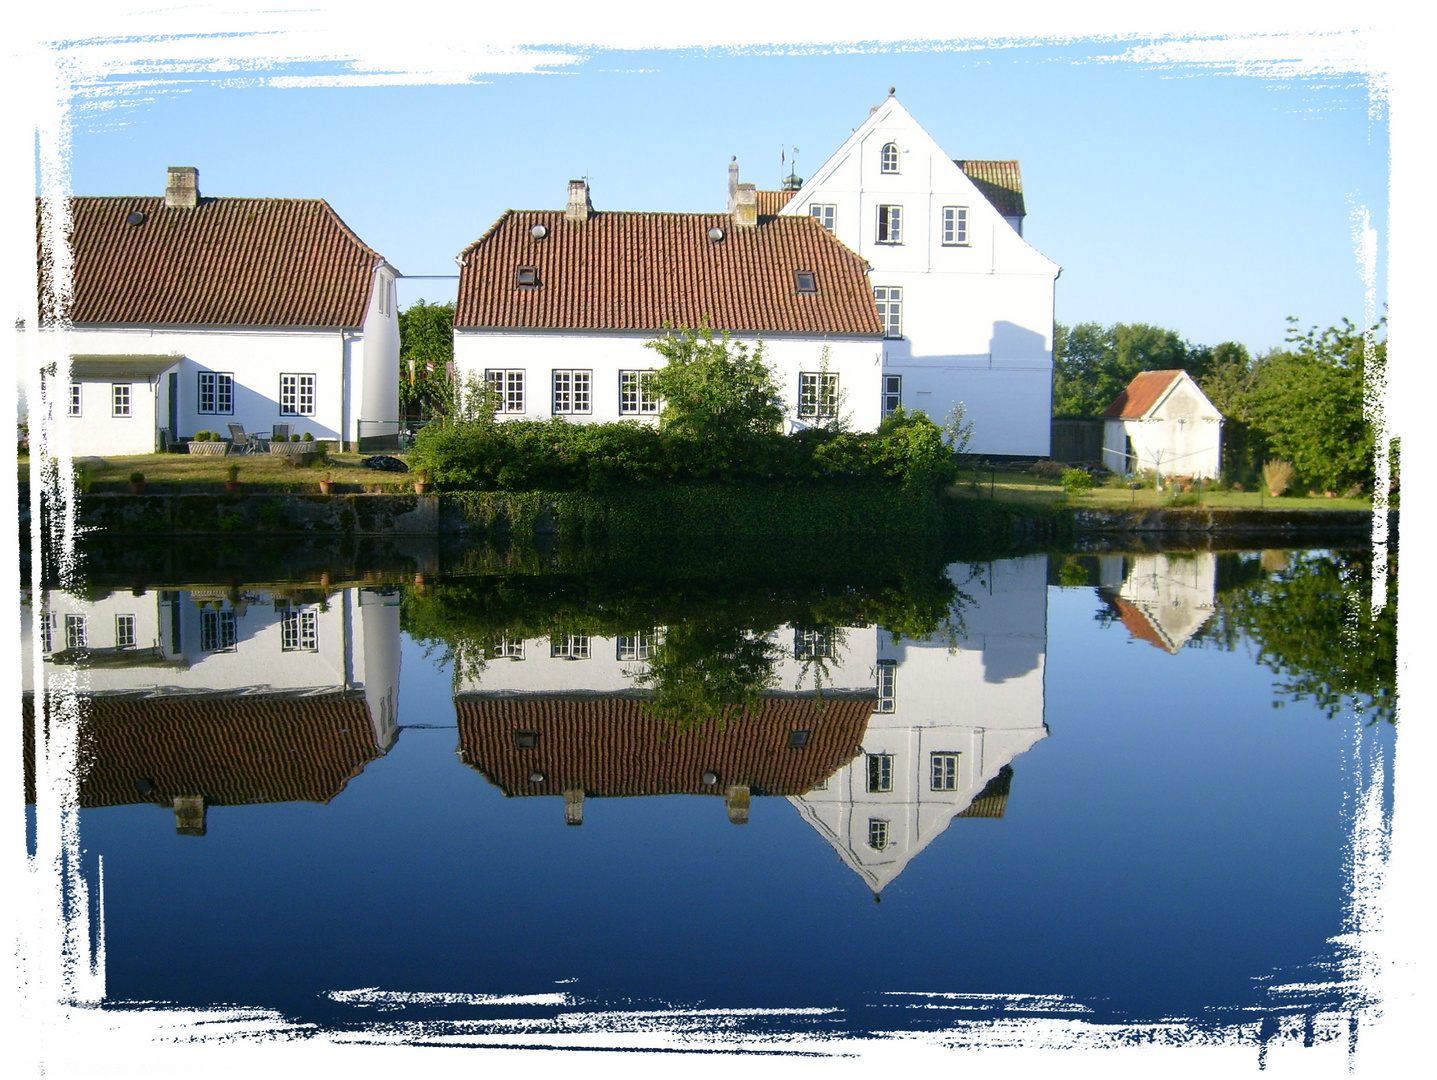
[888,162]
[806,282]
[527,277]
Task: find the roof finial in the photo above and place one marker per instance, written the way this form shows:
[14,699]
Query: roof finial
[892,90]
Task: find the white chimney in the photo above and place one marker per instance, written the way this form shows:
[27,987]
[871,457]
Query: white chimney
[745,210]
[182,189]
[579,207]
[732,184]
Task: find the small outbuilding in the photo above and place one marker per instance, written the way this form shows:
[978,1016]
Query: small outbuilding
[1163,423]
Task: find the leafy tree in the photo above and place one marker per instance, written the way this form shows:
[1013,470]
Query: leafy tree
[1230,378]
[1309,403]
[715,388]
[426,354]
[1092,364]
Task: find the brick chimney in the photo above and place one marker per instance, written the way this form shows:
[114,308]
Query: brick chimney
[182,189]
[745,210]
[579,207]
[732,183]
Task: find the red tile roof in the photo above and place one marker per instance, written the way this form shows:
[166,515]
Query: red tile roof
[1141,395]
[1001,183]
[633,271]
[1141,626]
[227,262]
[771,202]
[232,749]
[611,745]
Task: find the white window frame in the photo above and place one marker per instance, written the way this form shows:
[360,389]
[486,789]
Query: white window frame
[508,387]
[76,636]
[817,395]
[890,225]
[889,299]
[813,644]
[299,630]
[121,399]
[124,631]
[48,623]
[955,226]
[635,647]
[569,647]
[636,396]
[296,394]
[892,399]
[75,399]
[880,774]
[221,393]
[218,632]
[877,833]
[508,649]
[826,214]
[573,394]
[888,159]
[943,770]
[887,678]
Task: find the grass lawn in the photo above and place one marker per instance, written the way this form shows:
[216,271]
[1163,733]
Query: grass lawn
[1025,487]
[170,473]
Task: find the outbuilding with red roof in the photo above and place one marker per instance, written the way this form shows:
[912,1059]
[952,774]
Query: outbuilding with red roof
[1164,424]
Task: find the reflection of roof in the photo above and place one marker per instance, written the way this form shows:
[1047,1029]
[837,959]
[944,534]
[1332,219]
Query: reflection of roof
[611,745]
[1001,183]
[638,271]
[1141,625]
[232,749]
[225,262]
[1141,394]
[992,801]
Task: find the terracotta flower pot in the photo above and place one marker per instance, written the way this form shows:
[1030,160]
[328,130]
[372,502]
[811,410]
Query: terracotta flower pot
[234,487]
[137,488]
[326,487]
[421,488]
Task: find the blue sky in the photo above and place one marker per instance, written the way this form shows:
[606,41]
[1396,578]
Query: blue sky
[1184,195]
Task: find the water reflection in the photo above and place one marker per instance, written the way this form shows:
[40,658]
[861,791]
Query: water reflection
[1163,598]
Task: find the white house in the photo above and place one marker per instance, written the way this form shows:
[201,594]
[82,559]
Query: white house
[194,313]
[1163,598]
[555,309]
[965,302]
[1163,423]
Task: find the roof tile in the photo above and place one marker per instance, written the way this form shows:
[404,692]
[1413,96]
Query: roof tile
[1001,183]
[1140,395]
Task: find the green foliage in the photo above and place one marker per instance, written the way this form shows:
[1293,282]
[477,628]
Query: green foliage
[705,672]
[1092,364]
[137,478]
[426,353]
[715,390]
[308,437]
[1076,481]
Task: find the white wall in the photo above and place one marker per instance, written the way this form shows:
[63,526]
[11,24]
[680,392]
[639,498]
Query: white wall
[539,353]
[97,431]
[377,396]
[1180,436]
[977,318]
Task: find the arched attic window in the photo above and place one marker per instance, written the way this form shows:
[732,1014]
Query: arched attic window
[888,162]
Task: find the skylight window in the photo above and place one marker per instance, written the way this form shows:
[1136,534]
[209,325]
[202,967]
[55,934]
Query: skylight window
[805,281]
[527,277]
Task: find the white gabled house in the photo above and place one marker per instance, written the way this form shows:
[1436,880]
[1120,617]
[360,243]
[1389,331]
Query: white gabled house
[194,313]
[1163,423]
[966,303]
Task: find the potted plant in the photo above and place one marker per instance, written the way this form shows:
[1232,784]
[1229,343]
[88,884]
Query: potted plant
[422,479]
[137,483]
[326,486]
[233,485]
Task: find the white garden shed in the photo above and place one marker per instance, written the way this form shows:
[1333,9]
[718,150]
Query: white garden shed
[1163,423]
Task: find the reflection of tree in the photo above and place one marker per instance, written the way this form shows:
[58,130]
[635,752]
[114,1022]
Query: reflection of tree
[1312,623]
[703,672]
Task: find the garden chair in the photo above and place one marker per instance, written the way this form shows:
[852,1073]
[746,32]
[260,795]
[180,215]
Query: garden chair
[243,444]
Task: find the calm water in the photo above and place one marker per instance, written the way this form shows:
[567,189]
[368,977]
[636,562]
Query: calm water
[1121,782]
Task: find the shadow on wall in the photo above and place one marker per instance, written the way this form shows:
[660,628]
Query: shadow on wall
[1009,341]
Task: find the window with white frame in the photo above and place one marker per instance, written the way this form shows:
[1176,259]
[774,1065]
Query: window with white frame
[890,225]
[892,394]
[74,399]
[569,646]
[636,393]
[817,394]
[888,159]
[943,771]
[217,630]
[636,646]
[890,309]
[124,631]
[826,214]
[299,630]
[508,387]
[120,399]
[887,678]
[296,395]
[813,644]
[571,391]
[955,225]
[217,392]
[75,636]
[880,773]
[877,833]
[508,649]
[47,631]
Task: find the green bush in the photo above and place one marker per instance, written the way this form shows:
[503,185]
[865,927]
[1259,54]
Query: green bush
[308,436]
[1076,481]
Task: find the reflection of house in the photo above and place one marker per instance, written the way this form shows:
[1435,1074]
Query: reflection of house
[966,302]
[947,726]
[610,744]
[194,313]
[1162,598]
[224,696]
[1164,423]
